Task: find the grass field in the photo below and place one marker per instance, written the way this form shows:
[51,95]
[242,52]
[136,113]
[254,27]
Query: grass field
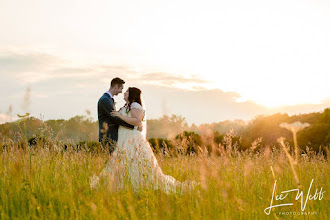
[52,183]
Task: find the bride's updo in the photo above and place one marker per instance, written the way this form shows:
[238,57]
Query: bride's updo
[134,95]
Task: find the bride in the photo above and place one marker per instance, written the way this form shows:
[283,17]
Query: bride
[133,160]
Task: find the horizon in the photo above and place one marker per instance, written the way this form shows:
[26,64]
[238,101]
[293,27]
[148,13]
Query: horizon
[8,118]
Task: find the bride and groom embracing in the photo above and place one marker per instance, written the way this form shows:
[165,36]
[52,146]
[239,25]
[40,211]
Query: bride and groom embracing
[132,159]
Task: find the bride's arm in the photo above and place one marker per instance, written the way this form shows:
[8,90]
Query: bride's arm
[136,119]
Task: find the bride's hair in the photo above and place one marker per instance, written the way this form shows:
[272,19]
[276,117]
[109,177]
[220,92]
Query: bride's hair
[134,95]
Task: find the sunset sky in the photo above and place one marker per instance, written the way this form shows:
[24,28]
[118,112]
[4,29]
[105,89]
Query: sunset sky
[207,61]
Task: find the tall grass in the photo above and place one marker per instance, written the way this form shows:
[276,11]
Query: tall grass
[49,182]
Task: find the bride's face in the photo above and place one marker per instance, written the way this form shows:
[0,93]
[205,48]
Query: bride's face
[126,94]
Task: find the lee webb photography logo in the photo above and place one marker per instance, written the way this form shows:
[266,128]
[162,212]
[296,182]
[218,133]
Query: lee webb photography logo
[318,194]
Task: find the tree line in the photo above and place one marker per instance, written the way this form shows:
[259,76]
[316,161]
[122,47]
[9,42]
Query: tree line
[171,132]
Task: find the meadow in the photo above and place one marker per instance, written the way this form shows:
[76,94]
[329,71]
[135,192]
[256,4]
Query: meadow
[52,182]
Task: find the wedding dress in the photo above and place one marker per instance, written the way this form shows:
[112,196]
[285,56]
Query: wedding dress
[134,162]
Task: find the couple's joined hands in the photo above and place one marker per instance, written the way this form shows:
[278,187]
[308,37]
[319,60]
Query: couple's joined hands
[117,114]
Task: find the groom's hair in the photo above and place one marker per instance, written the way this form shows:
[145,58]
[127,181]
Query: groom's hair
[116,81]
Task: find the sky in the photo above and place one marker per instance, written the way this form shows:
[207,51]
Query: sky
[207,61]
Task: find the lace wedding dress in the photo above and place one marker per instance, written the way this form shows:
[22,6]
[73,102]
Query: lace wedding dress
[134,162]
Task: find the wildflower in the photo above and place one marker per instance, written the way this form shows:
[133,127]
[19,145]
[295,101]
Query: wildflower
[295,127]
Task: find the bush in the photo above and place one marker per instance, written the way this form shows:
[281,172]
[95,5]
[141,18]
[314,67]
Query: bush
[190,142]
[39,140]
[161,145]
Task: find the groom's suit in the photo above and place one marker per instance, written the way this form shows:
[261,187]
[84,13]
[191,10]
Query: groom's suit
[107,122]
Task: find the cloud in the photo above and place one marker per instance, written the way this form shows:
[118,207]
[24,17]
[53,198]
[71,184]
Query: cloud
[203,106]
[28,67]
[4,118]
[58,84]
[40,67]
[17,62]
[61,89]
[167,79]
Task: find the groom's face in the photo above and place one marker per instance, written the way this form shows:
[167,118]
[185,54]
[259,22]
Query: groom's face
[118,89]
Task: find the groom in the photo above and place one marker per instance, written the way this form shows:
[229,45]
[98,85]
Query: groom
[108,124]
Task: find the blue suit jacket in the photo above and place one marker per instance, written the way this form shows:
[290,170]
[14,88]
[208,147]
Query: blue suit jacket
[104,107]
